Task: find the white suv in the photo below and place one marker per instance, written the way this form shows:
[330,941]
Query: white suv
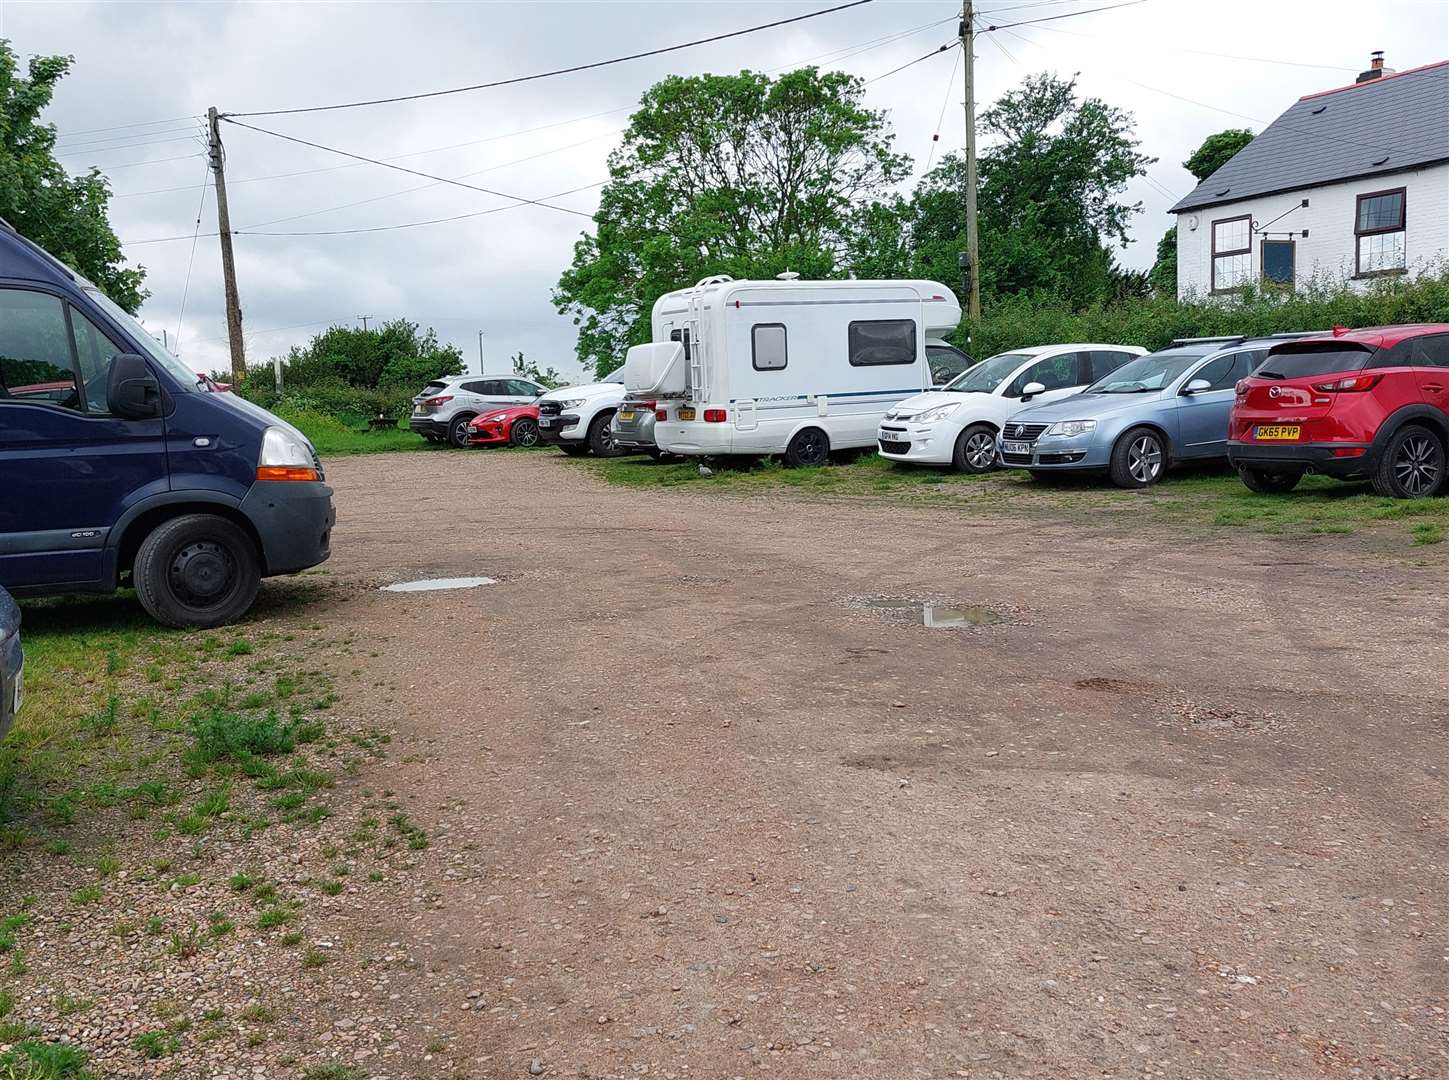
[445,408]
[958,424]
[577,418]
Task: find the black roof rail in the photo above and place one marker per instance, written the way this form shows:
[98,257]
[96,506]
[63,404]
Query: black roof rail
[1289,335]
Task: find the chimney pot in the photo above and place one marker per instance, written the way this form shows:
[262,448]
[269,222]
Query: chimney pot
[1376,69]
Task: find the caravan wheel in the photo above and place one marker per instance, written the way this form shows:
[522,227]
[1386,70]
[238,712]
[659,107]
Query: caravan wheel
[807,449]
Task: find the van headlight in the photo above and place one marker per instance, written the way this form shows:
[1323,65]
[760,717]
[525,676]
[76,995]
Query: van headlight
[284,456]
[940,412]
[1067,428]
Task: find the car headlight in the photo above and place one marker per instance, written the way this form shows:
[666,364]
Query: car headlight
[572,403]
[1072,427]
[284,456]
[494,419]
[940,412]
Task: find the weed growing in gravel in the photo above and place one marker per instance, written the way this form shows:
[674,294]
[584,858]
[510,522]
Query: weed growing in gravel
[155,1044]
[241,881]
[291,938]
[331,1072]
[275,916]
[87,895]
[240,647]
[224,736]
[44,1061]
[315,958]
[257,1013]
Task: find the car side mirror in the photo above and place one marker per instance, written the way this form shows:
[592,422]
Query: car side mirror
[132,392]
[1032,389]
[1197,386]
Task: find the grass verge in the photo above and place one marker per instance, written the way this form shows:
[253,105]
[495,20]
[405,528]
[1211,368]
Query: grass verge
[1211,498]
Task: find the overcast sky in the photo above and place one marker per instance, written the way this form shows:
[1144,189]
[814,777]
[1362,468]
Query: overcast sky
[140,63]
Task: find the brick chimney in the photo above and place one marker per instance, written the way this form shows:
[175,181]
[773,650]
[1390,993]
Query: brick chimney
[1376,69]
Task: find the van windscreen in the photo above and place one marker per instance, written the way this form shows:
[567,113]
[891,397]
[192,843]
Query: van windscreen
[1302,359]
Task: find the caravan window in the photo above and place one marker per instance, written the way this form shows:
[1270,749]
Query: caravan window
[767,346]
[882,341]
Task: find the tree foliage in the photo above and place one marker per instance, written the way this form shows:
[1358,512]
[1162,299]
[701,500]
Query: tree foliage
[378,358]
[725,174]
[1050,206]
[529,369]
[1215,151]
[64,214]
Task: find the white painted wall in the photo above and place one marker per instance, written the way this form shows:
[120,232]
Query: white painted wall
[1328,250]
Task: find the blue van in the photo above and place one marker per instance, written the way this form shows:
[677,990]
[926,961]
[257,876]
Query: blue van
[120,466]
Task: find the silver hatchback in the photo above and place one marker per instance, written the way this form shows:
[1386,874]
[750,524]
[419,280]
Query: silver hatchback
[633,428]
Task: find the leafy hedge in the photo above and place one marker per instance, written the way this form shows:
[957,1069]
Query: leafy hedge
[1153,322]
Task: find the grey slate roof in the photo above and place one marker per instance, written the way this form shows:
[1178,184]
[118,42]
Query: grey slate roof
[1384,126]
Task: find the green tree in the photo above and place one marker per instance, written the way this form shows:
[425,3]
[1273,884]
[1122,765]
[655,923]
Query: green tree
[64,214]
[1207,159]
[1215,151]
[1049,201]
[724,174]
[529,369]
[391,356]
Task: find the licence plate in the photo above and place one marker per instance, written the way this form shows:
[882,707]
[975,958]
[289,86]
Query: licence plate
[1276,432]
[686,413]
[626,414]
[1015,447]
[544,421]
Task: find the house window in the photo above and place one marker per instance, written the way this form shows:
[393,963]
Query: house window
[1232,253]
[767,343]
[1378,232]
[882,341]
[1278,256]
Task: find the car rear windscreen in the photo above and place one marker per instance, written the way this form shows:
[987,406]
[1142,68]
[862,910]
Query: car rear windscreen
[1301,359]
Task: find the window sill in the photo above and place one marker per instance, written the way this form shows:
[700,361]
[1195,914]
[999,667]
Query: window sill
[1370,274]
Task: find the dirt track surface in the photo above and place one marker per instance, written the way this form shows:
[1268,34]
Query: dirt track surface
[706,812]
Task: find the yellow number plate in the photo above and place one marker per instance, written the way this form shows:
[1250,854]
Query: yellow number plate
[686,413]
[626,414]
[1276,432]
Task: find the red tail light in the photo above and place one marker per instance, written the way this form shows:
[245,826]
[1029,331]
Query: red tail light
[1241,388]
[714,416]
[661,414]
[1353,384]
[441,399]
[642,406]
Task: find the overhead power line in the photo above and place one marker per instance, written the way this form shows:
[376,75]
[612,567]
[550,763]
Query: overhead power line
[912,63]
[559,71]
[400,168]
[123,127]
[1064,15]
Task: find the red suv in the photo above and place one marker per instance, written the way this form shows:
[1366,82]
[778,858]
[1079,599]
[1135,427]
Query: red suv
[1357,404]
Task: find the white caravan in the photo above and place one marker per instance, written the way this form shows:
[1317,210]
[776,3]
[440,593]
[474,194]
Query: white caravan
[958,424]
[790,367]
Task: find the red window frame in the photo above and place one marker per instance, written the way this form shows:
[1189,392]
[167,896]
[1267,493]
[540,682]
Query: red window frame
[1216,254]
[1359,234]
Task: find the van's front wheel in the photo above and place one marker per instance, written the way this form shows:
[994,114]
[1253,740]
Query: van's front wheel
[198,570]
[808,448]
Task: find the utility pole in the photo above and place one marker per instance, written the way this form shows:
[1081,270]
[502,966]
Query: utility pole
[364,319]
[228,263]
[480,352]
[973,250]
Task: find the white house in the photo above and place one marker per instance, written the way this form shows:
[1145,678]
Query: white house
[1351,183]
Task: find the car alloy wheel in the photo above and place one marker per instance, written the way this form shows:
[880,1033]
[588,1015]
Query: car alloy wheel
[981,450]
[1417,465]
[524,433]
[1144,459]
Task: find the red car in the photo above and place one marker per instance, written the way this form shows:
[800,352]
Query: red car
[1355,404]
[512,425]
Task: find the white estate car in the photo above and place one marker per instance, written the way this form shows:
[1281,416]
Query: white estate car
[958,424]
[576,419]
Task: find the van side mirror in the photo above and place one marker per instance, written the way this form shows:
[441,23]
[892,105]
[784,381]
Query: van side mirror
[132,392]
[1197,386]
[1032,389]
